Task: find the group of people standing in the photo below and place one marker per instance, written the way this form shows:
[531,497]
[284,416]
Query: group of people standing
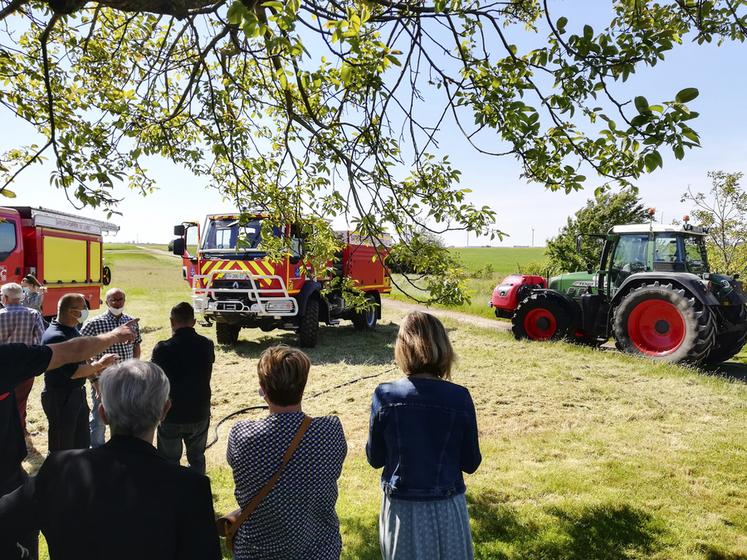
[142,504]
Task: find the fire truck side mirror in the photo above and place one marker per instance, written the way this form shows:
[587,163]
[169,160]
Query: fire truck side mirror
[177,246]
[180,230]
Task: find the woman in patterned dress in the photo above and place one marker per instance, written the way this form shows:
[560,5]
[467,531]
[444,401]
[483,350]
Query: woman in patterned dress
[423,431]
[297,520]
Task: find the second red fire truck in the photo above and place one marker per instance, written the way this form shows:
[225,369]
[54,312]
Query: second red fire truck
[236,286]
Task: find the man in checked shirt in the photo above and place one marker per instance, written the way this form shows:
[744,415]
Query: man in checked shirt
[19,323]
[113,318]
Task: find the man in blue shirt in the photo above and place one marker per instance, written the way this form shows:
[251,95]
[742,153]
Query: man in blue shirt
[64,397]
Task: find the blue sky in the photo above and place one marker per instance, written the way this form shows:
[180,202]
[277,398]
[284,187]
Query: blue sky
[720,73]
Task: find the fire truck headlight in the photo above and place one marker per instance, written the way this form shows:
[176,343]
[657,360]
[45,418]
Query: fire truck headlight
[283,305]
[200,304]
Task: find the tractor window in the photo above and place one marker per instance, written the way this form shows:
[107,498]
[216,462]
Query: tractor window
[7,239]
[695,255]
[668,253]
[665,249]
[629,257]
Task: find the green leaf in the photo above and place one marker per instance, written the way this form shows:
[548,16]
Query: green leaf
[641,104]
[236,12]
[561,23]
[7,193]
[687,94]
[588,32]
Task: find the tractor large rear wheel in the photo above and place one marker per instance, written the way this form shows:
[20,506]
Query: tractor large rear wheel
[664,323]
[541,317]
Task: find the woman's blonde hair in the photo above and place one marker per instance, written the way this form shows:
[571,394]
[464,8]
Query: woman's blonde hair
[282,373]
[423,346]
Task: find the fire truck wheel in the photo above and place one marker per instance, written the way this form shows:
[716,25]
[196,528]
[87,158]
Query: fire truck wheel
[227,333]
[308,326]
[106,276]
[366,320]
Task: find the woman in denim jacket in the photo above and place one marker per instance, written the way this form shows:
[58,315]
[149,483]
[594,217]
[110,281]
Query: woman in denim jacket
[423,431]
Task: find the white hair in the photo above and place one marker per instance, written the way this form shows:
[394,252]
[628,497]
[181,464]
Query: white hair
[134,394]
[11,290]
[111,291]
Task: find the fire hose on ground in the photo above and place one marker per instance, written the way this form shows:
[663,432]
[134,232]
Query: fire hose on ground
[311,397]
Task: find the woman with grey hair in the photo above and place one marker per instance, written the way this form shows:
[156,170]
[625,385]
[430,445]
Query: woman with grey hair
[121,500]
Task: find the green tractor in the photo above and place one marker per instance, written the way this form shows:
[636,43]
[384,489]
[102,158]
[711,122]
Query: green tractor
[653,293]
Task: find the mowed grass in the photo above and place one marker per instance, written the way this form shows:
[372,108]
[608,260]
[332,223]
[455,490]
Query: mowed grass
[587,454]
[485,267]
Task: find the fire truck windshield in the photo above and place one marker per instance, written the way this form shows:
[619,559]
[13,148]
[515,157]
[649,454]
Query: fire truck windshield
[229,235]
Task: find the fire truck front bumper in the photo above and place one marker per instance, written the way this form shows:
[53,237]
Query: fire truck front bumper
[274,307]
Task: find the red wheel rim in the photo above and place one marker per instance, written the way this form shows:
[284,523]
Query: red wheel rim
[656,327]
[540,324]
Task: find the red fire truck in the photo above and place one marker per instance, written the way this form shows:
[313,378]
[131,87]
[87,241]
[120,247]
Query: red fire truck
[63,251]
[235,285]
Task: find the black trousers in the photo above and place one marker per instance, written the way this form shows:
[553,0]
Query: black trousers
[67,415]
[28,542]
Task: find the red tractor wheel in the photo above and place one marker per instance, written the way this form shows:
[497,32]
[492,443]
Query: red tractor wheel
[540,317]
[662,322]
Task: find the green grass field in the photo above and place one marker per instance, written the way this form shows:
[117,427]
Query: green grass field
[587,454]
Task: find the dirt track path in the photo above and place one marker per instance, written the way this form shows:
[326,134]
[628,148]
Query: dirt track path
[157,251]
[455,315]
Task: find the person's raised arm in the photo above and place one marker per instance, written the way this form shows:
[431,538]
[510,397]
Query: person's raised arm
[81,348]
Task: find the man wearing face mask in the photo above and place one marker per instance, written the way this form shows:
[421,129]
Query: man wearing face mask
[64,395]
[19,324]
[101,324]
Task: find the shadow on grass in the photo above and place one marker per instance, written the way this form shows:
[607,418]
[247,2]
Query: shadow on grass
[601,532]
[335,345]
[734,370]
[713,553]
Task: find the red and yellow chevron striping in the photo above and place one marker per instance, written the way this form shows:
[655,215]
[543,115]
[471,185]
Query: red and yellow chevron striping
[218,267]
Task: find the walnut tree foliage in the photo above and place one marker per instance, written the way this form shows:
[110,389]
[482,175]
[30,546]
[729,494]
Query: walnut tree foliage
[595,218]
[325,108]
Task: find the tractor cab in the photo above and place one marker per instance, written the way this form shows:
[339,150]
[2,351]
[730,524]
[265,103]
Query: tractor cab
[631,249]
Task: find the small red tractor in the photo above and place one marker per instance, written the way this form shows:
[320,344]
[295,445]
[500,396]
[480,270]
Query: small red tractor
[236,286]
[653,294]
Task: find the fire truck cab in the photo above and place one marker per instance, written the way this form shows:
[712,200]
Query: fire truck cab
[236,286]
